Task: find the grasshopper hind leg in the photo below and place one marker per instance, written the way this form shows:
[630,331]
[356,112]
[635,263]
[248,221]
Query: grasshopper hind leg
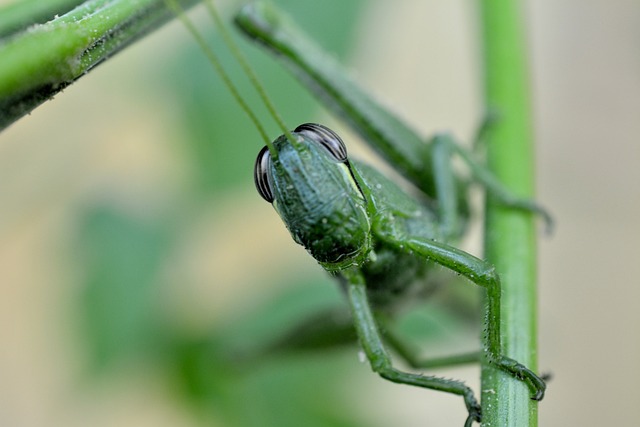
[444,148]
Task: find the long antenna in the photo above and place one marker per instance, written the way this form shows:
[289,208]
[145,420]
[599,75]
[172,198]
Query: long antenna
[253,78]
[217,64]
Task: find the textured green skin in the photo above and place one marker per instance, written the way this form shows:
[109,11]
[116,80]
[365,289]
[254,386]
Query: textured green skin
[319,203]
[393,273]
[340,223]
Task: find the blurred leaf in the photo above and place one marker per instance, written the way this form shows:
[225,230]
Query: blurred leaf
[231,375]
[283,391]
[243,342]
[122,256]
[300,300]
[433,327]
[289,391]
[298,391]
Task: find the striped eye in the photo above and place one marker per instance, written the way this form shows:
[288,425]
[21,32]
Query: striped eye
[261,175]
[325,137]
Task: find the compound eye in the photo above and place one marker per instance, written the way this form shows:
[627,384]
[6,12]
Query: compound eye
[325,137]
[261,175]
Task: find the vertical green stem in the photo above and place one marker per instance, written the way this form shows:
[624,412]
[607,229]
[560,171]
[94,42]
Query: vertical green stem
[510,234]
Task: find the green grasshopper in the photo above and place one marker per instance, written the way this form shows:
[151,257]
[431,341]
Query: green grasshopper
[374,238]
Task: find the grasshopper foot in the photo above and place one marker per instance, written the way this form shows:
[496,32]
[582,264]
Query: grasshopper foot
[536,384]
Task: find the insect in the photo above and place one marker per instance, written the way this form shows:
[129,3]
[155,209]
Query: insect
[370,235]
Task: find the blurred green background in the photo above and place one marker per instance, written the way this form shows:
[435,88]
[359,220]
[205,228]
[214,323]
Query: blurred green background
[137,262]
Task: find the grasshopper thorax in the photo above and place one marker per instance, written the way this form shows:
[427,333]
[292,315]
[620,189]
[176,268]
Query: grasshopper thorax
[312,187]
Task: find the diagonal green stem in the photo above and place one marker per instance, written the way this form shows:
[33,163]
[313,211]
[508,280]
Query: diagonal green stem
[19,15]
[510,234]
[38,62]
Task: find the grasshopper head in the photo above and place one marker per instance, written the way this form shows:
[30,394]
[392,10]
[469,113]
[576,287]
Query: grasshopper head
[312,187]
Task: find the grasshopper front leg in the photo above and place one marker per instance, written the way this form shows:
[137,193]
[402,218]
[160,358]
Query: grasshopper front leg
[482,274]
[371,342]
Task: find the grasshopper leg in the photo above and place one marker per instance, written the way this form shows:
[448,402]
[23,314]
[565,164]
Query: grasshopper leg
[444,147]
[411,357]
[371,342]
[482,274]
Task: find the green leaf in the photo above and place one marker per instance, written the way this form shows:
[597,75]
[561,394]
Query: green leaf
[216,375]
[122,256]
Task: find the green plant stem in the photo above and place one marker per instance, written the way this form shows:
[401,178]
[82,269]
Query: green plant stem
[510,241]
[41,61]
[22,14]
